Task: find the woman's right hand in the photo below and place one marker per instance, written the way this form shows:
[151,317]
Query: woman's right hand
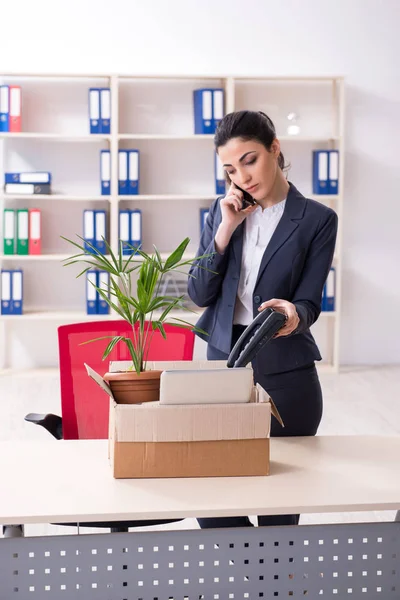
[232,217]
[231,204]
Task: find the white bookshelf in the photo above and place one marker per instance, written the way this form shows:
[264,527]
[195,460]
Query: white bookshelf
[154,114]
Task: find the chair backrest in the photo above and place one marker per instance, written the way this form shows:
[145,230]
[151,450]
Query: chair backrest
[84,404]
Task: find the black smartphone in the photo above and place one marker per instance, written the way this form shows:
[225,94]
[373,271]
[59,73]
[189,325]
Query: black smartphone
[248,199]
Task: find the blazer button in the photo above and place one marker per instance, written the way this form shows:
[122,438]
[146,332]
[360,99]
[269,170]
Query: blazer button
[257,299]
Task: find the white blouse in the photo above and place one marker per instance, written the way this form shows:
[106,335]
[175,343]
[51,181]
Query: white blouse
[259,228]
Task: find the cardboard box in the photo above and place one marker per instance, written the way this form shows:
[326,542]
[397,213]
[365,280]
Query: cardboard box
[207,440]
[189,441]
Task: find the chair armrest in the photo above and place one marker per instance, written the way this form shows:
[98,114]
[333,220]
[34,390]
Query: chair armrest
[53,423]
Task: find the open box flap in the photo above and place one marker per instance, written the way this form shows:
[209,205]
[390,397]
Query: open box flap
[99,380]
[263,396]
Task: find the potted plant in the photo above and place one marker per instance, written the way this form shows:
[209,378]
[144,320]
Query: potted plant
[143,307]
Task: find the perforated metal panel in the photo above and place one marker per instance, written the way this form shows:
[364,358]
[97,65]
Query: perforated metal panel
[328,562]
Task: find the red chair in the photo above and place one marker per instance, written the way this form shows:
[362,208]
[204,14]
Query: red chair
[84,404]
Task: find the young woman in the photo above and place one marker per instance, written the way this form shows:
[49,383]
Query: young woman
[276,253]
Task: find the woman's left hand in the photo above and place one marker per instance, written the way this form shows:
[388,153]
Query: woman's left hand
[287,308]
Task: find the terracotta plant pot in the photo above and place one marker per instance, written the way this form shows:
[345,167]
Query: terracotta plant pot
[130,388]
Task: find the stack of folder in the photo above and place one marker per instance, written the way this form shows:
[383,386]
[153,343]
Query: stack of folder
[27,184]
[203,218]
[94,230]
[128,172]
[100,110]
[130,229]
[22,231]
[329,292]
[220,183]
[326,172]
[95,304]
[10,109]
[208,105]
[11,291]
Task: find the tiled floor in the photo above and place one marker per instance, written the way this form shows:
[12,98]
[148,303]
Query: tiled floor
[360,400]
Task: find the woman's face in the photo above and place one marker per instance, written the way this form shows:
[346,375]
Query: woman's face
[250,165]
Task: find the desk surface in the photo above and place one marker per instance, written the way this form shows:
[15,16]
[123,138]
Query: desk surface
[64,481]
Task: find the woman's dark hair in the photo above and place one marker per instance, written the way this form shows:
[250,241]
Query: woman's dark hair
[247,125]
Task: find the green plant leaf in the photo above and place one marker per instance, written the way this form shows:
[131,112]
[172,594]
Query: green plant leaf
[73,243]
[120,310]
[104,337]
[158,257]
[94,259]
[187,325]
[110,347]
[129,260]
[83,272]
[143,297]
[114,263]
[137,306]
[169,308]
[161,301]
[157,325]
[136,357]
[176,255]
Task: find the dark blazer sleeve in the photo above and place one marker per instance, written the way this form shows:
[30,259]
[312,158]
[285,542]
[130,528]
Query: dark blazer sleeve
[308,294]
[207,274]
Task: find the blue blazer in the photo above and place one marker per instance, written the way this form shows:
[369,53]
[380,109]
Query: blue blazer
[294,267]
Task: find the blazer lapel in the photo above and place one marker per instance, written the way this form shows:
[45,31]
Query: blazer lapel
[237,245]
[294,209]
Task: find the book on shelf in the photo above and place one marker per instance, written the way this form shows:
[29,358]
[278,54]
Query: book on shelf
[11,292]
[22,231]
[10,109]
[100,110]
[208,107]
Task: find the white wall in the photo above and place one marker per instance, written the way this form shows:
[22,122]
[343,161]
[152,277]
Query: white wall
[354,38]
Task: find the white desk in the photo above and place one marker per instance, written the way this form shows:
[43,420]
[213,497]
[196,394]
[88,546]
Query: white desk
[61,481]
[64,481]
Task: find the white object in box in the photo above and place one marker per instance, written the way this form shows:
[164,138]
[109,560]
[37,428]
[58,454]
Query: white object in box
[116,366]
[214,386]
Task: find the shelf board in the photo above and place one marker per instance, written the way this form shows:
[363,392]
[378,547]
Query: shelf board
[194,197]
[56,197]
[61,257]
[308,138]
[178,77]
[147,136]
[57,137]
[312,78]
[60,316]
[210,136]
[166,197]
[35,257]
[165,136]
[323,197]
[189,76]
[57,75]
[140,197]
[80,316]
